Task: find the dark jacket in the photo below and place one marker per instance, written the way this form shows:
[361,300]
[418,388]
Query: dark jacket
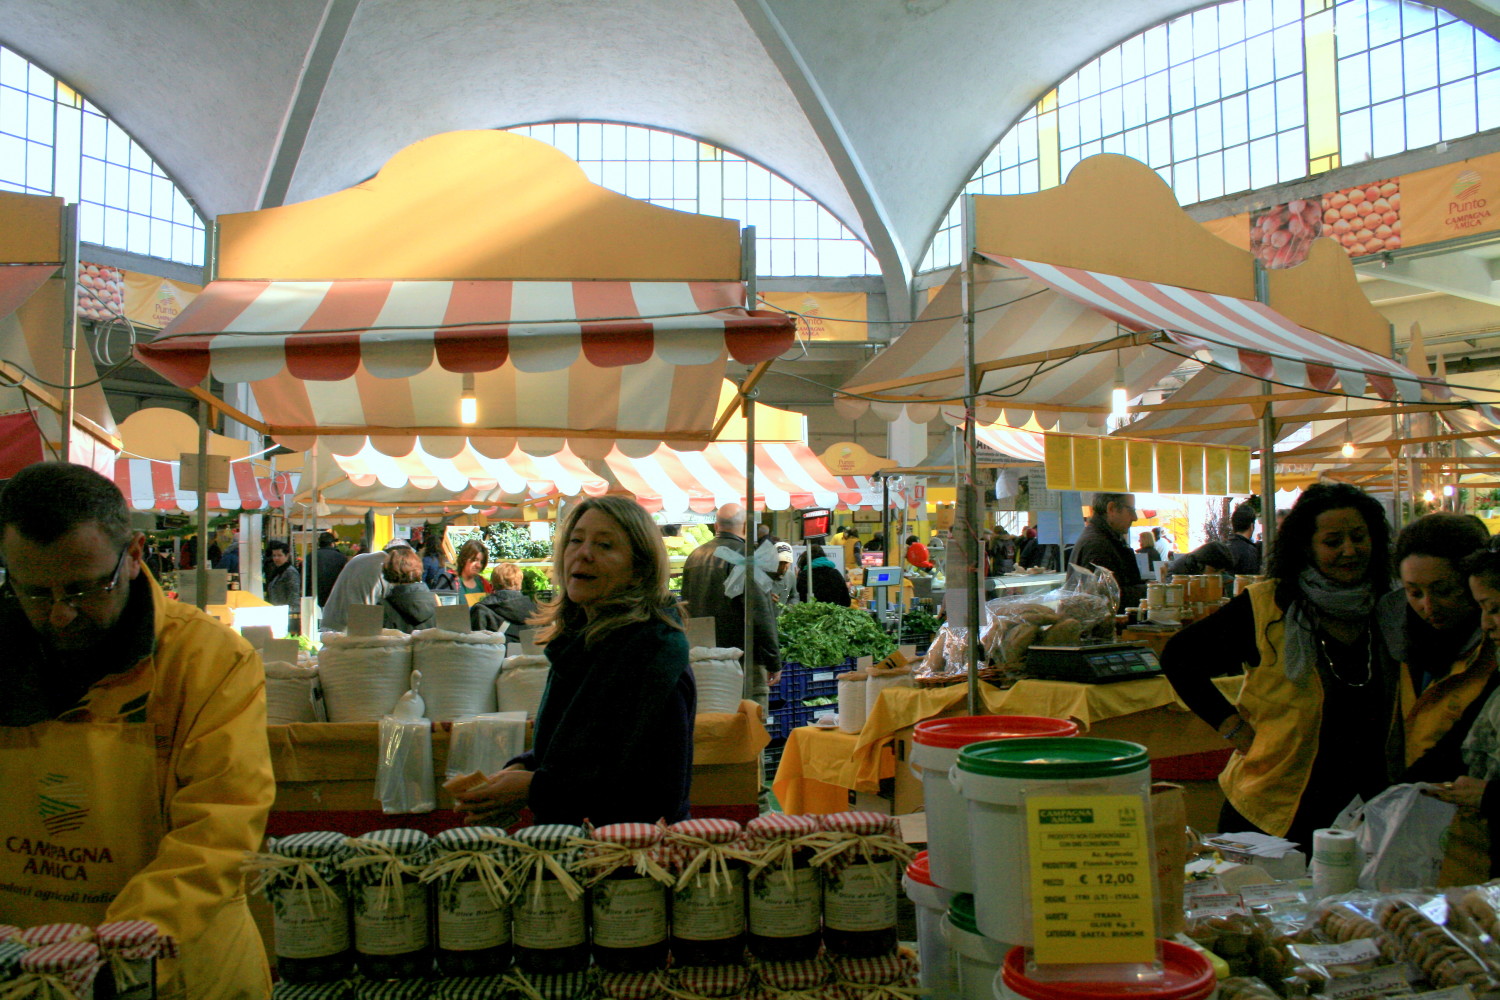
[409,606]
[1246,555]
[435,576]
[703,577]
[1098,545]
[503,610]
[614,734]
[828,585]
[330,562]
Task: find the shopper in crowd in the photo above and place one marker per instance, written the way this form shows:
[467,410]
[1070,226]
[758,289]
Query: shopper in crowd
[1164,544]
[504,608]
[330,562]
[437,560]
[1210,557]
[614,734]
[145,719]
[1145,544]
[705,575]
[1473,840]
[283,581]
[408,604]
[853,548]
[1310,728]
[783,579]
[1102,543]
[230,560]
[1026,551]
[917,555]
[362,581]
[473,557]
[828,583]
[1002,551]
[1242,548]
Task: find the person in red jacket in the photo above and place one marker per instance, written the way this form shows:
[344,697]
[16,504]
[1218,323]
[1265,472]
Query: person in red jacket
[917,554]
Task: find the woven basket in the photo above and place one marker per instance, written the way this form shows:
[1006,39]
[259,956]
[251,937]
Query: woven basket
[289,693]
[719,678]
[459,670]
[363,675]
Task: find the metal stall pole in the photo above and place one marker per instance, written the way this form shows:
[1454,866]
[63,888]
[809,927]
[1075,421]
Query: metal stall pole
[69,327]
[885,517]
[751,588]
[310,560]
[200,560]
[1267,442]
[968,513]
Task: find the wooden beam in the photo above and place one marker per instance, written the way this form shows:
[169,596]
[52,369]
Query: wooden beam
[1251,401]
[738,402]
[198,393]
[43,395]
[1219,425]
[1431,439]
[313,430]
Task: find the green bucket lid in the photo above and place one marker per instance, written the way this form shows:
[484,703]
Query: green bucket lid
[1053,757]
[961,913]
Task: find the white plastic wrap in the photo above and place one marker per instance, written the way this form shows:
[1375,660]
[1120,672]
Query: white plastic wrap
[522,681]
[852,707]
[291,693]
[458,671]
[363,675]
[719,678]
[485,743]
[404,782]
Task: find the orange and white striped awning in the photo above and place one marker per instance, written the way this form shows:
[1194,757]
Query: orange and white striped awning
[152,485]
[517,475]
[787,475]
[581,364]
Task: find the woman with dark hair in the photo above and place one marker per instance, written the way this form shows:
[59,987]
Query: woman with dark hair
[408,604]
[614,734]
[828,584]
[473,557]
[437,559]
[1310,728]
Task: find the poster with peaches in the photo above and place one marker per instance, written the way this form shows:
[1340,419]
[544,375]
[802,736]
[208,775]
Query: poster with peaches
[1365,219]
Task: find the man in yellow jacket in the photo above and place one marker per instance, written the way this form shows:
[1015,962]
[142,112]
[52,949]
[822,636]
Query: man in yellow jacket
[132,740]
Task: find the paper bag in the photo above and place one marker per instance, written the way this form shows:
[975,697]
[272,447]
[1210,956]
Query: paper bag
[1169,825]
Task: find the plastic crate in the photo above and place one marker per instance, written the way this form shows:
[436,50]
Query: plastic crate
[773,752]
[792,716]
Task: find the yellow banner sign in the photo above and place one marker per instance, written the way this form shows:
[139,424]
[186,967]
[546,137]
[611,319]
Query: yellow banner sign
[846,458]
[1457,199]
[108,293]
[825,315]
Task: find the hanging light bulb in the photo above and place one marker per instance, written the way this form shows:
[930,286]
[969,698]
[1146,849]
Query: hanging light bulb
[1117,399]
[1347,450]
[468,405]
[1448,490]
[1429,497]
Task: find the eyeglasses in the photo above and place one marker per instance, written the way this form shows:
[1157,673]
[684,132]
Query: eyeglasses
[42,600]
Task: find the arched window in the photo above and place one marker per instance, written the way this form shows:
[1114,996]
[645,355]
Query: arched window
[794,235]
[1252,93]
[53,142]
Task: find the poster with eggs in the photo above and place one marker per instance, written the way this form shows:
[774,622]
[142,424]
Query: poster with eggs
[1365,219]
[101,292]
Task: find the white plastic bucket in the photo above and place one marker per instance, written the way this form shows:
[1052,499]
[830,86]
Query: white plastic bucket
[938,976]
[992,778]
[976,958]
[936,744]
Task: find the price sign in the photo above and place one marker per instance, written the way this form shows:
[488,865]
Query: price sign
[1091,891]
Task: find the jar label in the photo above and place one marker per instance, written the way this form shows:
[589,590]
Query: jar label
[708,909]
[630,913]
[546,918]
[469,920]
[309,924]
[861,897]
[779,910]
[396,929]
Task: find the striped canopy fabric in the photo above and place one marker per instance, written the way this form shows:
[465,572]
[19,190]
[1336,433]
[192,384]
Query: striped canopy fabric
[554,363]
[152,485]
[516,475]
[1012,441]
[787,475]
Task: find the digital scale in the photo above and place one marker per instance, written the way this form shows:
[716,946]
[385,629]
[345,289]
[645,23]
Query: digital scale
[1101,663]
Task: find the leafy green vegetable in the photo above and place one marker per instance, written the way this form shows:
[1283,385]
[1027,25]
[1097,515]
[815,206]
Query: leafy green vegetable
[822,635]
[919,621]
[533,579]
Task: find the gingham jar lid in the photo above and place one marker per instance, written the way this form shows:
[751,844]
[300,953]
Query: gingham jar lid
[795,975]
[395,989]
[714,980]
[715,831]
[341,990]
[884,970]
[780,826]
[469,838]
[863,824]
[125,934]
[549,836]
[631,985]
[67,957]
[8,931]
[400,841]
[318,845]
[10,957]
[564,986]
[638,835]
[44,934]
[470,988]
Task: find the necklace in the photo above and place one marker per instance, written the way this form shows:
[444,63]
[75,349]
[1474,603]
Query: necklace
[1369,663]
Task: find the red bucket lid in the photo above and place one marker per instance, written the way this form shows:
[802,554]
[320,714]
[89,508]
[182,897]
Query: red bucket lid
[959,732]
[1186,975]
[920,871]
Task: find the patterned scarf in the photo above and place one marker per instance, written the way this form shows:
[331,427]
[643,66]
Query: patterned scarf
[1329,601]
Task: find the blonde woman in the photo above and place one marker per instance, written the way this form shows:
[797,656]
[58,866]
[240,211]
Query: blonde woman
[614,735]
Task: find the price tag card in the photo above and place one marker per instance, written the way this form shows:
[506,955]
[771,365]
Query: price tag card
[1221,905]
[280,651]
[1348,953]
[453,618]
[1386,980]
[1271,893]
[365,619]
[257,635]
[1091,892]
[1202,887]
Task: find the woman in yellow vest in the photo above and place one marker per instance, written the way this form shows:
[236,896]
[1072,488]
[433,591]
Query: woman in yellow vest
[1314,714]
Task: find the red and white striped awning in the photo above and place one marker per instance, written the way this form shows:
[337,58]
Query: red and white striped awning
[152,485]
[1027,446]
[787,475]
[1023,308]
[555,363]
[19,281]
[517,475]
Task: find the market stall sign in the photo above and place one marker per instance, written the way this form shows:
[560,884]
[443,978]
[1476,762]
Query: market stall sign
[1089,463]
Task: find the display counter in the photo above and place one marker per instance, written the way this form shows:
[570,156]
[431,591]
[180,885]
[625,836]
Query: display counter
[825,770]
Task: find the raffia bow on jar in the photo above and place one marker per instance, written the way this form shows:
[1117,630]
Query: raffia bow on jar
[887,977]
[548,849]
[563,986]
[775,840]
[63,971]
[705,847]
[809,980]
[287,866]
[861,837]
[637,845]
[130,946]
[383,859]
[706,982]
[480,851]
